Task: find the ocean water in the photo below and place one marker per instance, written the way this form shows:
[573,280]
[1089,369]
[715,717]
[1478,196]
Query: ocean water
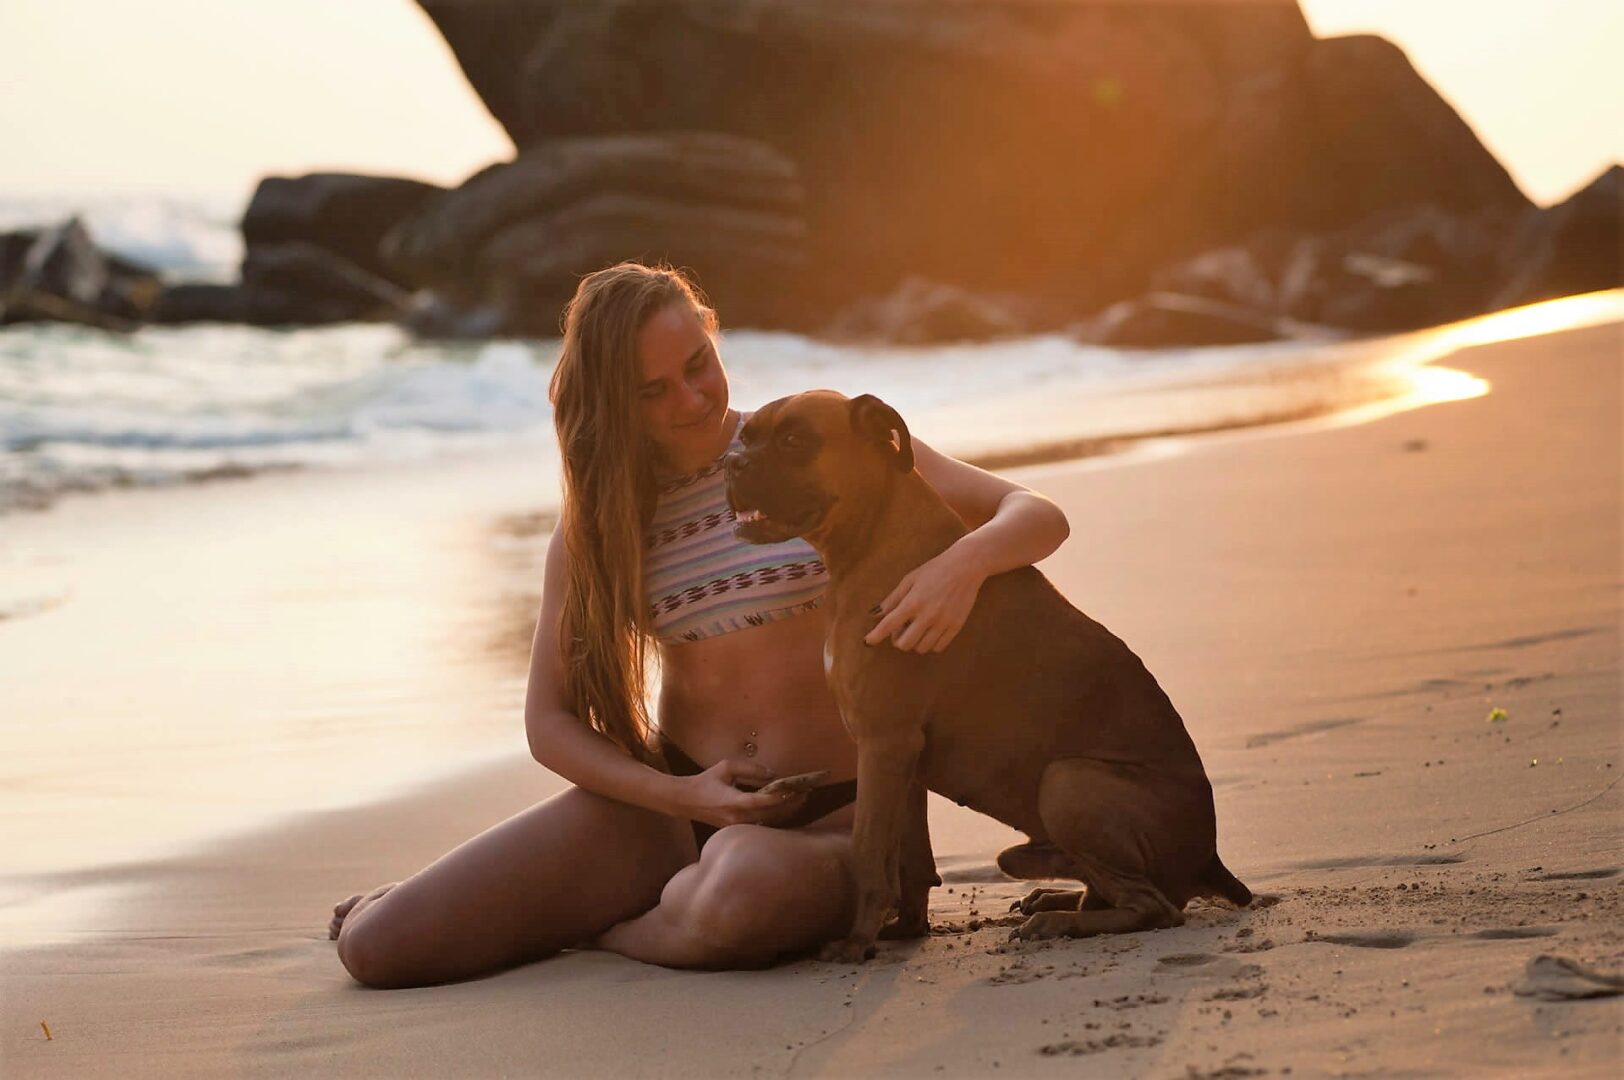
[83,410]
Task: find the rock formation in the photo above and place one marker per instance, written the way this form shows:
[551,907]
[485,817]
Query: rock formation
[58,274]
[1061,151]
[1576,246]
[509,245]
[312,254]
[1136,171]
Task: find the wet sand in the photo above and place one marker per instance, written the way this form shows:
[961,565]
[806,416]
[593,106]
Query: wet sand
[1338,611]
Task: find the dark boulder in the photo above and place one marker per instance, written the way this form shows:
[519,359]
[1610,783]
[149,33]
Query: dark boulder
[344,213]
[1062,152]
[1168,320]
[58,274]
[190,302]
[1576,246]
[1397,270]
[291,284]
[508,247]
[927,313]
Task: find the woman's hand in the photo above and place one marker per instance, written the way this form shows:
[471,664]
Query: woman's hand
[927,609]
[712,797]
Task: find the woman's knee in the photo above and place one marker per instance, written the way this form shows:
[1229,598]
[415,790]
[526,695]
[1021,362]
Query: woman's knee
[380,949]
[752,883]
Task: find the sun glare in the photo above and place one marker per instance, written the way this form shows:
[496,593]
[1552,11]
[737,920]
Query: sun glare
[1410,366]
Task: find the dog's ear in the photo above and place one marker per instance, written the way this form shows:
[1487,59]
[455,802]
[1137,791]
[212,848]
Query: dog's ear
[876,422]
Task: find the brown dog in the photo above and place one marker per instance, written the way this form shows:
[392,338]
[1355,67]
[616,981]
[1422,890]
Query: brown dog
[1035,715]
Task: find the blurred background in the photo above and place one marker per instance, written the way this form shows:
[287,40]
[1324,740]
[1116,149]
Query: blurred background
[387,186]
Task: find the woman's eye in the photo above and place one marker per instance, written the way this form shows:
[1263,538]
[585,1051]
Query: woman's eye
[651,392]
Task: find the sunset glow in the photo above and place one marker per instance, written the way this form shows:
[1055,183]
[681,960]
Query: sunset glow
[211,95]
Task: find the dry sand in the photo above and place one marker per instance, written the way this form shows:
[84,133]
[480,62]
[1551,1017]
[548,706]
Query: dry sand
[1335,611]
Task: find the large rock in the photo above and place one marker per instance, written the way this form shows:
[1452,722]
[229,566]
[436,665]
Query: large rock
[58,274]
[507,248]
[1060,151]
[1576,246]
[926,313]
[1397,270]
[345,213]
[1169,320]
[291,284]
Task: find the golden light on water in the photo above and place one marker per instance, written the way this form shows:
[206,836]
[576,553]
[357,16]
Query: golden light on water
[1408,362]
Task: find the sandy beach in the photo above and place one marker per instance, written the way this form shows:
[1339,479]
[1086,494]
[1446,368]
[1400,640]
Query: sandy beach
[1396,643]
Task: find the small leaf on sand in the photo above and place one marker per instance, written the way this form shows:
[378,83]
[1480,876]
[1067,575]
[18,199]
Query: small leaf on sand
[1497,716]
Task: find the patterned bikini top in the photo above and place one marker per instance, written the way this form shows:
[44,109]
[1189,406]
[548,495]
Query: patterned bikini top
[703,581]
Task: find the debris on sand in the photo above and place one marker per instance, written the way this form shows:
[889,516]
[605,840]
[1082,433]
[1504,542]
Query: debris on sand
[1556,978]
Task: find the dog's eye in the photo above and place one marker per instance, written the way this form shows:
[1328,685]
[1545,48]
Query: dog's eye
[789,440]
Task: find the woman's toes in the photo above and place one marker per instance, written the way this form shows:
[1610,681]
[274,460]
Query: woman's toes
[340,910]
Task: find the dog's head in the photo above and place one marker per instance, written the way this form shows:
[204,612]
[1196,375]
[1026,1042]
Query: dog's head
[810,460]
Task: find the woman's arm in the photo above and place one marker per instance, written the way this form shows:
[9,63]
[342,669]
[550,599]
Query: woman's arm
[1010,526]
[564,743]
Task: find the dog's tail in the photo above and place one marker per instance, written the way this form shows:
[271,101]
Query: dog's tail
[1224,884]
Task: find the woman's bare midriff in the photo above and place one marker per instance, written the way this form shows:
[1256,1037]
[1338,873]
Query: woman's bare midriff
[758,694]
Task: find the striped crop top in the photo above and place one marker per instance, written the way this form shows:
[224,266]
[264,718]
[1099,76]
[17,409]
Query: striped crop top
[703,581]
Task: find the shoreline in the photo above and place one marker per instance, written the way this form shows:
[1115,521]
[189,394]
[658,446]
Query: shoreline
[1335,613]
[1282,382]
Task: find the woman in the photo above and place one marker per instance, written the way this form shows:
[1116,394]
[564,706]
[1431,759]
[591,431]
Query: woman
[675,866]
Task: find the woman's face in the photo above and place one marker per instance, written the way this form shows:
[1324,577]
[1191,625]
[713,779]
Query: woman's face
[682,390]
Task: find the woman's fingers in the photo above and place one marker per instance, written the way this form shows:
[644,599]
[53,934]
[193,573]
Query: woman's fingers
[736,769]
[753,808]
[784,805]
[893,617]
[887,626]
[912,634]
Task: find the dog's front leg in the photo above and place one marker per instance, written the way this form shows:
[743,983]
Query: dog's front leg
[917,875]
[886,771]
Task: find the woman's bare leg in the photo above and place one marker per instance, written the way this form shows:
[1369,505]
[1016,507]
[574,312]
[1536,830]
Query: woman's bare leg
[755,895]
[550,877]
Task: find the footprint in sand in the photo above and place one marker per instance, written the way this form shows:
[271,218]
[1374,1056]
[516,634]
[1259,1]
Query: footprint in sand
[1355,862]
[1528,640]
[1580,875]
[1209,965]
[1369,939]
[1312,727]
[1515,933]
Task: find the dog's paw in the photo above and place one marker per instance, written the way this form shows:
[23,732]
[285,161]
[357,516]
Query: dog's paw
[1049,900]
[847,951]
[1041,927]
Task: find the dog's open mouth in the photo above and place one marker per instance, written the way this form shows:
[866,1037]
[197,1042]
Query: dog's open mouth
[754,526]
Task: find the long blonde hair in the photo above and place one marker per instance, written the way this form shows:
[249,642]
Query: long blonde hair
[609,494]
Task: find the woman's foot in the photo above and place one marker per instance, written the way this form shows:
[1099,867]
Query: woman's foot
[343,908]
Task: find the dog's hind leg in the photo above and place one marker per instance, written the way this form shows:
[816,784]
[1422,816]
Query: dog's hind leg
[1038,860]
[1114,829]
